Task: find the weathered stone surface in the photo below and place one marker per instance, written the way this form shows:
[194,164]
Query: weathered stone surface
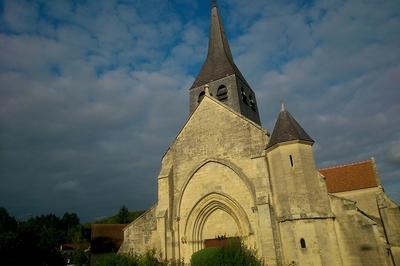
[365,199]
[390,215]
[217,179]
[358,235]
[140,235]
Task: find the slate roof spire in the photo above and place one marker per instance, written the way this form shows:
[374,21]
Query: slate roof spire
[287,129]
[219,62]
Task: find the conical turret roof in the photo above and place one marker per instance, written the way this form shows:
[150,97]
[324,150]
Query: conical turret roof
[219,62]
[287,129]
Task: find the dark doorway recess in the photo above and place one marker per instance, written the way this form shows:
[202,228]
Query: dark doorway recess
[220,241]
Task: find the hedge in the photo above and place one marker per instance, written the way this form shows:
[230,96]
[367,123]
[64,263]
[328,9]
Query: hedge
[235,253]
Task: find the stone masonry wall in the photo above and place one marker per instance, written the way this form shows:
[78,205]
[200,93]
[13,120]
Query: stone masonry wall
[359,240]
[140,235]
[213,139]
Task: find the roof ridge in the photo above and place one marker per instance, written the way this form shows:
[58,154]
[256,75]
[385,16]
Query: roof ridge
[346,164]
[154,206]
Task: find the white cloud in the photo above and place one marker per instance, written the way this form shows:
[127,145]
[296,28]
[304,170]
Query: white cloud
[121,94]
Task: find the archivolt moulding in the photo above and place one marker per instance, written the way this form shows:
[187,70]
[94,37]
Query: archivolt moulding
[197,217]
[223,162]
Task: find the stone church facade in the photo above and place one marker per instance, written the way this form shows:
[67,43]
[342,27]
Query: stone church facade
[225,176]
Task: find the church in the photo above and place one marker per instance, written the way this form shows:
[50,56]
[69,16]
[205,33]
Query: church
[224,176]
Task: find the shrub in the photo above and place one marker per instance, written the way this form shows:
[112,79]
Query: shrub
[207,256]
[149,259]
[118,260]
[79,257]
[234,253]
[174,263]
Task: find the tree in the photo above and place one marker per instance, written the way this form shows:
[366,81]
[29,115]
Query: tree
[72,227]
[70,220]
[7,223]
[8,238]
[39,238]
[123,215]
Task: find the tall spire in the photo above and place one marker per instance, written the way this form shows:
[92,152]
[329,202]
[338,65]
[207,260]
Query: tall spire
[219,62]
[222,77]
[287,129]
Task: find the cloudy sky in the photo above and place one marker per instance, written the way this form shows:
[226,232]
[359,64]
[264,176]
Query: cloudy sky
[93,92]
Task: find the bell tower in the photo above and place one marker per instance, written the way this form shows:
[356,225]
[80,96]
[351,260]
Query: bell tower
[226,82]
[301,201]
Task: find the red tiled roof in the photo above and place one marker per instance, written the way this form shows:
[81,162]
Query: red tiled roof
[350,177]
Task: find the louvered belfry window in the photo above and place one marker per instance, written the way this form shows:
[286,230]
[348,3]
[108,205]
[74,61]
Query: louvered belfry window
[222,93]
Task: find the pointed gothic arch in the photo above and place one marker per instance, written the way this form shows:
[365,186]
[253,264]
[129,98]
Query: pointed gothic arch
[194,228]
[226,163]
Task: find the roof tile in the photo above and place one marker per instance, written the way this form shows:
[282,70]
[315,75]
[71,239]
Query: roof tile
[286,129]
[219,62]
[349,177]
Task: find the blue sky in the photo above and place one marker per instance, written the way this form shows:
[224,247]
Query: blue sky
[93,92]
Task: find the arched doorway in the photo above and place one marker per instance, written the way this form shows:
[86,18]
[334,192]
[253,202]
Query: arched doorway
[215,215]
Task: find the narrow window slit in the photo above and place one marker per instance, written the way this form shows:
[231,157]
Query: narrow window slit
[291,160]
[302,243]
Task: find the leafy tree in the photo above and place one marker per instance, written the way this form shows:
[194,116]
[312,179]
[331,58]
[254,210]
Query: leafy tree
[70,220]
[75,235]
[39,238]
[149,259]
[7,223]
[72,228]
[9,242]
[123,215]
[115,219]
[79,258]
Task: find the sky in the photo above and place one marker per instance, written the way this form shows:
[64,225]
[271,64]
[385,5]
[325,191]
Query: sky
[93,92]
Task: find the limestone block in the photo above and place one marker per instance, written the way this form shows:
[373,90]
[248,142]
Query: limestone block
[140,235]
